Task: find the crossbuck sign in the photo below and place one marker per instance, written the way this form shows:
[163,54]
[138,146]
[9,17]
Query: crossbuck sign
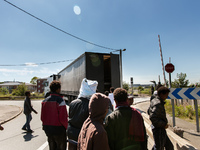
[184,93]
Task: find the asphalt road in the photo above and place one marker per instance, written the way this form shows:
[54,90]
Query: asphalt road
[14,138]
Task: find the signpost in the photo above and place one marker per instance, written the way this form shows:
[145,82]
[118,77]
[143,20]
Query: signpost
[184,93]
[170,68]
[187,93]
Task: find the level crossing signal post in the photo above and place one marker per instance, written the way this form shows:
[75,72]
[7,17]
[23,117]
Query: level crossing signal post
[132,84]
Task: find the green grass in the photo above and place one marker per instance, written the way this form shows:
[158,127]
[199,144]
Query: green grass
[184,112]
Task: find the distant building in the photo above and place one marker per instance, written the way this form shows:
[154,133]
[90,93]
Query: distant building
[40,85]
[10,85]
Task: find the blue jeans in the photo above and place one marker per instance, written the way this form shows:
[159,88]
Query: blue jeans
[161,140]
[28,120]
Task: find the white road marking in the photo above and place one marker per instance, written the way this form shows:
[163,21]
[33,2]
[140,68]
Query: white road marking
[43,146]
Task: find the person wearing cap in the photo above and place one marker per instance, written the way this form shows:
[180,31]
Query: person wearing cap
[93,135]
[78,110]
[125,126]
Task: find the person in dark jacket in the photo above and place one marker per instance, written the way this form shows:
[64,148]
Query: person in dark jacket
[159,120]
[55,118]
[155,93]
[78,110]
[27,111]
[125,126]
[93,135]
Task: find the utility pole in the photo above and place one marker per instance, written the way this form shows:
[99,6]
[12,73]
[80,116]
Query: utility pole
[120,61]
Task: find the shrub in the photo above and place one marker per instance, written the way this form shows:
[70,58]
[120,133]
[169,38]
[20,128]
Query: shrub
[179,111]
[37,94]
[3,91]
[189,111]
[146,91]
[168,107]
[125,86]
[20,90]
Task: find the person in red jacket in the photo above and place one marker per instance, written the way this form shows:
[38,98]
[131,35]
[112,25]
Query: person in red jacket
[54,118]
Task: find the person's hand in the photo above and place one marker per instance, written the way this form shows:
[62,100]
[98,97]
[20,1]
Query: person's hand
[1,128]
[35,112]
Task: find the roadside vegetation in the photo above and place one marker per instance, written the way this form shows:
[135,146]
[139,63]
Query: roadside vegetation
[183,110]
[186,111]
[18,93]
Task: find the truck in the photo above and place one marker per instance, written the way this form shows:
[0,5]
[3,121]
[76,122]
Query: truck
[102,67]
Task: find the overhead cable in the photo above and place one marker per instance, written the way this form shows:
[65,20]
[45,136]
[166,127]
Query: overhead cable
[36,64]
[59,28]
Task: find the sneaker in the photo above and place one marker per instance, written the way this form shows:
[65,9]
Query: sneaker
[30,131]
[24,129]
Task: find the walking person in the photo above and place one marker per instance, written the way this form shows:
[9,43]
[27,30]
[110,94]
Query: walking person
[125,126]
[55,118]
[93,135]
[27,111]
[159,120]
[78,110]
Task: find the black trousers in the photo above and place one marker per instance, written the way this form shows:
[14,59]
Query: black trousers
[57,142]
[161,140]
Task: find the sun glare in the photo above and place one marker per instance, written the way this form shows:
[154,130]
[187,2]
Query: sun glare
[77,10]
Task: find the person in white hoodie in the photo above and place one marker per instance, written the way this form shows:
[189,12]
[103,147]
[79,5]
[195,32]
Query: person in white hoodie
[111,97]
[78,110]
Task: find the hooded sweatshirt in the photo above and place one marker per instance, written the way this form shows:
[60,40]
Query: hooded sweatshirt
[93,135]
[78,109]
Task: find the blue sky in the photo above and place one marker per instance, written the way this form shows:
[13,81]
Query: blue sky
[130,24]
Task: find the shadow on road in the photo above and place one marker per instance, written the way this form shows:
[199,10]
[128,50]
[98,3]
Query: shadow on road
[192,133]
[28,136]
[140,111]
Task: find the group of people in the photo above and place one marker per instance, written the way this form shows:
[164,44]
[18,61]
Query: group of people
[90,126]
